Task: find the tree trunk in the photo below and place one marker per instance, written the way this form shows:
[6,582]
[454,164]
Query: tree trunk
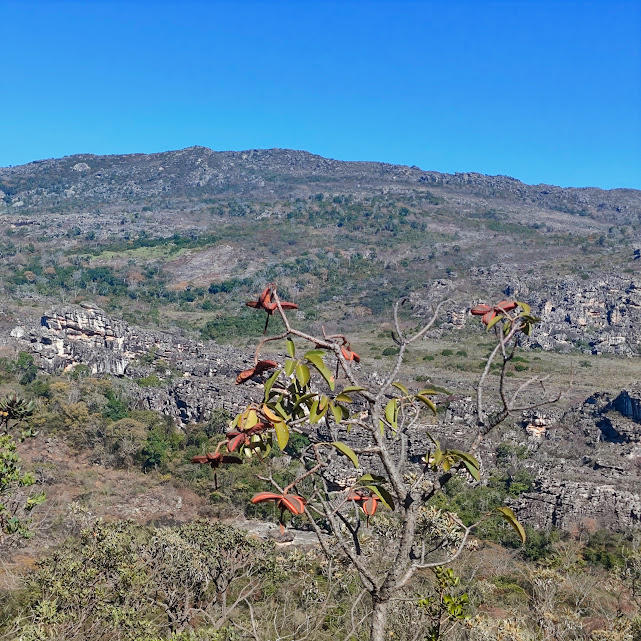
[379,619]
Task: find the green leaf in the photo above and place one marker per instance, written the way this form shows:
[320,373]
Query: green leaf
[470,462]
[524,306]
[337,412]
[391,413]
[314,352]
[510,517]
[383,494]
[428,392]
[474,471]
[494,321]
[312,412]
[269,383]
[302,374]
[281,411]
[465,456]
[343,398]
[318,363]
[372,478]
[354,388]
[347,451]
[303,399]
[291,348]
[401,387]
[289,366]
[282,434]
[428,401]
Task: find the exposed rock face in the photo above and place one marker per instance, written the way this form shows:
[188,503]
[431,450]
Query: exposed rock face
[194,378]
[628,402]
[588,468]
[573,506]
[597,316]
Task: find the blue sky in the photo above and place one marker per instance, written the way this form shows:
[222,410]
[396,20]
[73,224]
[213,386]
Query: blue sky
[546,91]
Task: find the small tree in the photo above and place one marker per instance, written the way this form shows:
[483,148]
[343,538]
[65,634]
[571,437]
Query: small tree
[303,396]
[16,502]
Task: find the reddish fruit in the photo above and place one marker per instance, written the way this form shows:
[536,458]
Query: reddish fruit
[480,310]
[369,506]
[368,501]
[215,459]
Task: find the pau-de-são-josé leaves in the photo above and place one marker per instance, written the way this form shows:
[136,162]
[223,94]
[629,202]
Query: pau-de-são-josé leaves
[282,433]
[401,387]
[315,358]
[447,458]
[508,514]
[376,484]
[391,413]
[347,451]
[291,348]
[424,395]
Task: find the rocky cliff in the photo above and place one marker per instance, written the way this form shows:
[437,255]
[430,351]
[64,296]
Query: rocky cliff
[190,378]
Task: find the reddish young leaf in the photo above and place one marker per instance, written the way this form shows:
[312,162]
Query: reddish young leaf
[369,506]
[349,355]
[257,370]
[488,317]
[236,441]
[480,310]
[290,502]
[505,306]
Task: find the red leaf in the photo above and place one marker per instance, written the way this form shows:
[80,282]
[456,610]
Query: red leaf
[263,366]
[295,504]
[291,502]
[349,355]
[370,505]
[480,310]
[262,497]
[235,442]
[488,317]
[505,306]
[259,368]
[200,458]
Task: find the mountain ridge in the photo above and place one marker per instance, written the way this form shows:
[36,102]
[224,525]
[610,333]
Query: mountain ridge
[273,174]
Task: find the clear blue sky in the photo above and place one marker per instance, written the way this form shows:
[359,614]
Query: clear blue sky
[546,91]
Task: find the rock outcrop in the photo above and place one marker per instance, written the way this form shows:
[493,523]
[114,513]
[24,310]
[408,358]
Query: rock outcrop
[190,378]
[588,468]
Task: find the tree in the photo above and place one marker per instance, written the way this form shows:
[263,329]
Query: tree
[303,396]
[16,503]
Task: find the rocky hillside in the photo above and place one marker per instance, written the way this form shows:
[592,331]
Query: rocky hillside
[268,174]
[585,462]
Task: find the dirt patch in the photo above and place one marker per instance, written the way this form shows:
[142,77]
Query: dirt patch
[214,264]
